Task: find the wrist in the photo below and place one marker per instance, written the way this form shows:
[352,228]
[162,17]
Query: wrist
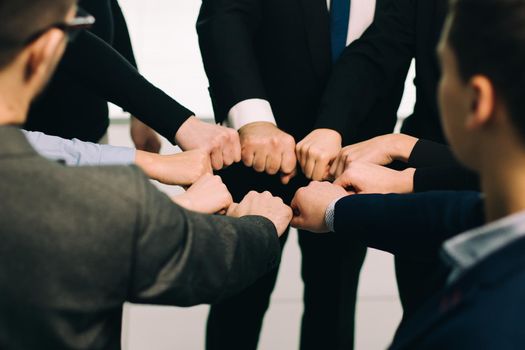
[188,123]
[148,162]
[183,200]
[402,146]
[406,181]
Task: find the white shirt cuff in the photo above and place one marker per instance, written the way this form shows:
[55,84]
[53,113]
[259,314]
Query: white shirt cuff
[329,216]
[250,111]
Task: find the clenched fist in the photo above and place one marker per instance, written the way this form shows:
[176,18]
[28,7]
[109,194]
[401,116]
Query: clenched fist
[221,143]
[208,195]
[264,204]
[265,148]
[317,151]
[310,203]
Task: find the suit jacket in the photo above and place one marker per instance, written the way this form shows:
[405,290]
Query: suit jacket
[482,310]
[279,51]
[412,226]
[79,242]
[439,170]
[405,30]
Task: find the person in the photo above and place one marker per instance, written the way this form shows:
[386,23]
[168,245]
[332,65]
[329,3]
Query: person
[93,72]
[481,54]
[64,279]
[268,63]
[182,169]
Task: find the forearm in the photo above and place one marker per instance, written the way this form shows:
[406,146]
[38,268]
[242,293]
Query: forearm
[411,226]
[78,153]
[101,69]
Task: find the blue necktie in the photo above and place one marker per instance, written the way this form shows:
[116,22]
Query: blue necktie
[339,17]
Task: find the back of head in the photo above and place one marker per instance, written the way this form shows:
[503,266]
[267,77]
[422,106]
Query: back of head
[488,38]
[21,20]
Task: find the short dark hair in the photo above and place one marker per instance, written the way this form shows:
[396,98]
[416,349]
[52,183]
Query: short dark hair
[20,19]
[488,38]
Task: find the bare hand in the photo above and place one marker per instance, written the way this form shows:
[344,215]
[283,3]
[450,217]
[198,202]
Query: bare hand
[264,204]
[310,203]
[144,138]
[372,178]
[182,169]
[317,151]
[265,148]
[381,150]
[221,143]
[208,195]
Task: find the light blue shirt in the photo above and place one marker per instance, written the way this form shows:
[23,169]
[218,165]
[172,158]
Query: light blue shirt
[465,251]
[79,153]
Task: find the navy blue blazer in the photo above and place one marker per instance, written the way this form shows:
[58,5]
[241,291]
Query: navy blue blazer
[485,309]
[411,226]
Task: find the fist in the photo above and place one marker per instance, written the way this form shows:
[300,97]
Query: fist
[310,203]
[264,204]
[265,148]
[317,151]
[208,195]
[220,143]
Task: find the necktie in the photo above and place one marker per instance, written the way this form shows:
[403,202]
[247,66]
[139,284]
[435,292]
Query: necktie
[339,17]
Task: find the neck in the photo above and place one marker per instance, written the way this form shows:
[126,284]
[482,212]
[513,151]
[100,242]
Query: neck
[13,104]
[503,183]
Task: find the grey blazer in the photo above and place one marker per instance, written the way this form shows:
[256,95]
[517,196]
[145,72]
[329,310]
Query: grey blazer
[76,243]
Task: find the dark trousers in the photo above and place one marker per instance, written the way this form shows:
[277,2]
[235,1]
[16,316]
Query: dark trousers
[330,273]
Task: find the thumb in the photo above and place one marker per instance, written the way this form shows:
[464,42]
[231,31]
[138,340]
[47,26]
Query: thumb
[286,178]
[344,180]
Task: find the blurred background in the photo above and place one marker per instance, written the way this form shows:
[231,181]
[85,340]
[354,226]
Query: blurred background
[165,42]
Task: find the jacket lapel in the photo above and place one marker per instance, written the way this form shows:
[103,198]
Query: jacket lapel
[317,26]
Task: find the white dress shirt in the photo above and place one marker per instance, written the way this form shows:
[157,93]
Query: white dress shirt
[259,110]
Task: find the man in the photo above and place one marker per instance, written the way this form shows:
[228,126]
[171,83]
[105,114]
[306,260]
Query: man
[78,242]
[481,53]
[268,63]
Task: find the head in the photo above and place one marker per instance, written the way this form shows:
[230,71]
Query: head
[31,46]
[482,88]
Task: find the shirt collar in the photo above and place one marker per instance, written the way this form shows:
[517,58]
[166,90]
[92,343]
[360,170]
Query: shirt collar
[468,249]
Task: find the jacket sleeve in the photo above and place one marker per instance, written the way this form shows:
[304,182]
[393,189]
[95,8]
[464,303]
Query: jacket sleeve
[437,169]
[226,30]
[94,64]
[184,258]
[411,226]
[369,68]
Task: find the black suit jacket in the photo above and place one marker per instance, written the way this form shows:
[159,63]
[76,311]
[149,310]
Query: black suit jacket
[482,310]
[406,29]
[279,51]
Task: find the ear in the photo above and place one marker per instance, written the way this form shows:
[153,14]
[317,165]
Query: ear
[483,101]
[43,55]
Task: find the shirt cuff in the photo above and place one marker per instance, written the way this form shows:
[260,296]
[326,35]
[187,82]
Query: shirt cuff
[250,111]
[329,216]
[112,155]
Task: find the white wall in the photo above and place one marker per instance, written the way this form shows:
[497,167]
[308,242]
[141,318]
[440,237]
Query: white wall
[163,34]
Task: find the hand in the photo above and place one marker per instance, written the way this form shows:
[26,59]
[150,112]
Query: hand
[208,195]
[182,169]
[144,138]
[221,143]
[373,178]
[265,148]
[317,151]
[381,150]
[310,203]
[264,204]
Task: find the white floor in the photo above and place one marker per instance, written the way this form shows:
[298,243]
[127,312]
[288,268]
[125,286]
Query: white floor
[163,33]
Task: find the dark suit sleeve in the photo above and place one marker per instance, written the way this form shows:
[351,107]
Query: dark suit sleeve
[226,31]
[121,39]
[183,258]
[369,68]
[99,68]
[438,170]
[411,226]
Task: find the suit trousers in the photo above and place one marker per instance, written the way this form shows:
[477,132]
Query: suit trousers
[330,273]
